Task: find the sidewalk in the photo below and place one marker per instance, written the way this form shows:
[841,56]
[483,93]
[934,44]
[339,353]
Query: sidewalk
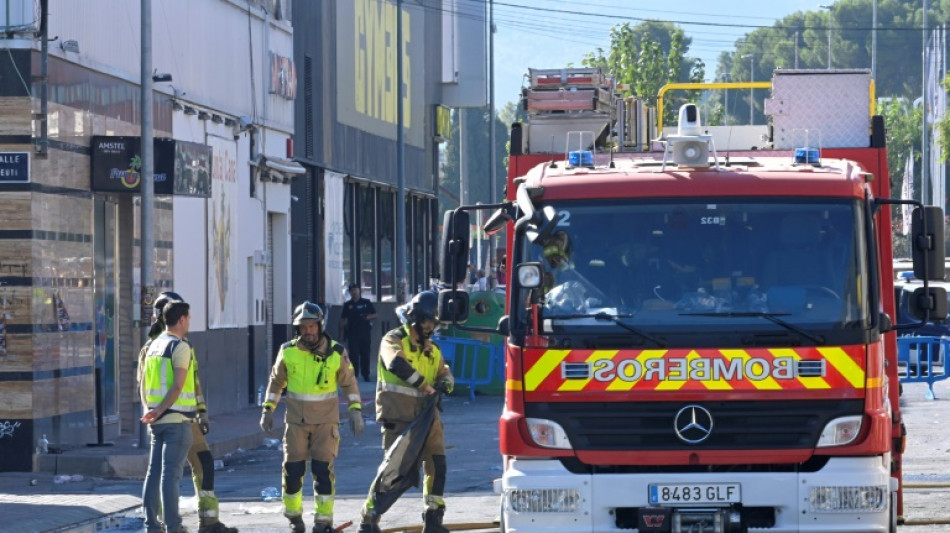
[125,459]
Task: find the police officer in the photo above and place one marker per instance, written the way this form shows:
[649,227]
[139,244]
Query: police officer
[312,366]
[355,328]
[168,393]
[411,367]
[199,455]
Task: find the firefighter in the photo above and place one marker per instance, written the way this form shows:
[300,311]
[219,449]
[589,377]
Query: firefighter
[199,455]
[410,367]
[312,366]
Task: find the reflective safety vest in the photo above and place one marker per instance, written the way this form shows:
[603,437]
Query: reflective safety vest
[159,376]
[312,378]
[397,400]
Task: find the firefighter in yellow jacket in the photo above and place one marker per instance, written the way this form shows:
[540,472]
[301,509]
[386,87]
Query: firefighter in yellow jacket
[410,367]
[199,454]
[312,366]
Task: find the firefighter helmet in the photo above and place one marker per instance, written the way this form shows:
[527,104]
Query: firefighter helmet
[158,307]
[309,311]
[423,306]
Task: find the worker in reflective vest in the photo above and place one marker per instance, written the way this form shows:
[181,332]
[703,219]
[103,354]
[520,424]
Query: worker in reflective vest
[312,366]
[199,454]
[410,367]
[168,393]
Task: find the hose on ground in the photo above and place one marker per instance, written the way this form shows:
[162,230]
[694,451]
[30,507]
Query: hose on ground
[465,526]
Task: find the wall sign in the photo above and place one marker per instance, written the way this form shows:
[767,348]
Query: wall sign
[14,167]
[180,168]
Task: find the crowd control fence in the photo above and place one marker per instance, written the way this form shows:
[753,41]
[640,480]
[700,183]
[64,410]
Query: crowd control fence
[922,360]
[474,363]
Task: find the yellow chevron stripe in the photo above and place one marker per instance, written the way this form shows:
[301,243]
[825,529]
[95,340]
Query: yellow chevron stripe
[807,382]
[844,364]
[578,384]
[673,385]
[548,361]
[621,385]
[768,383]
[719,384]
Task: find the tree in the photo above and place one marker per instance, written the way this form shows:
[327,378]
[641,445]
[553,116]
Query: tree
[647,56]
[902,125]
[478,160]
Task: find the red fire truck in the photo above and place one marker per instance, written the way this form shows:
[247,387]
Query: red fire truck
[699,329]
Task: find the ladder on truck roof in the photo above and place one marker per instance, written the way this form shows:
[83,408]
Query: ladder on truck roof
[567,90]
[565,100]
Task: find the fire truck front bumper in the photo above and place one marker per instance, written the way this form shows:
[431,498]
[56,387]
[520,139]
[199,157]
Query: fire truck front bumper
[849,494]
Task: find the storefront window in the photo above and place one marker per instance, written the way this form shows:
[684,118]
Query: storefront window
[387,228]
[367,224]
[420,282]
[410,284]
[349,234]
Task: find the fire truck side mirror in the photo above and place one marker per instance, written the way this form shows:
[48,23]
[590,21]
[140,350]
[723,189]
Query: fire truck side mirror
[927,243]
[453,305]
[455,234]
[929,304]
[543,227]
[497,221]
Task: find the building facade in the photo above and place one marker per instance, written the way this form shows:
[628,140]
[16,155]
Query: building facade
[224,101]
[344,227]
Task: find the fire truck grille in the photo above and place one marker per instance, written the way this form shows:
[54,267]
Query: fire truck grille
[647,426]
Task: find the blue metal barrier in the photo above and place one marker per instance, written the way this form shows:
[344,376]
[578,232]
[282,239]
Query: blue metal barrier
[922,360]
[473,362]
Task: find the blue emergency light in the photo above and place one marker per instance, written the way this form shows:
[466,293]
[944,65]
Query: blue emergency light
[807,156]
[580,158]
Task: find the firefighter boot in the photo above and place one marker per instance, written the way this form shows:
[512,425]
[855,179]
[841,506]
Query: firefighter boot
[322,527]
[369,527]
[369,522]
[297,525]
[217,527]
[432,521]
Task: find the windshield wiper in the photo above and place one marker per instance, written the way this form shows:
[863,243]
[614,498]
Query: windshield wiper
[771,317]
[616,320]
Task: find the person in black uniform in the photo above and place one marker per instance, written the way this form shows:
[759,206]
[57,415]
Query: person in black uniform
[356,328]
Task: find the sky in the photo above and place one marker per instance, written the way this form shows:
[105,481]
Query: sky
[554,33]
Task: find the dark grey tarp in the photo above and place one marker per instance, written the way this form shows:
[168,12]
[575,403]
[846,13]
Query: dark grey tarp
[400,467]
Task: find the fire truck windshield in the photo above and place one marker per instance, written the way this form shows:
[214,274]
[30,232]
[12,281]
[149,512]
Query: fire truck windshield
[717,266]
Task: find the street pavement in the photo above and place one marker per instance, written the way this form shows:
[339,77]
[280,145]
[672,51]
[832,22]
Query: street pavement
[33,502]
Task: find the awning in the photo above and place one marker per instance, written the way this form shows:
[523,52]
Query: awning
[278,165]
[284,165]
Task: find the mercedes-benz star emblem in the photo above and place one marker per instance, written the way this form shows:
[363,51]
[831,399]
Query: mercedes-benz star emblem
[693,424]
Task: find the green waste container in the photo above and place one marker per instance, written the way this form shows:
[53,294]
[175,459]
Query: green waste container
[485,310]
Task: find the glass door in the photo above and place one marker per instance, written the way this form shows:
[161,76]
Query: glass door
[104,242]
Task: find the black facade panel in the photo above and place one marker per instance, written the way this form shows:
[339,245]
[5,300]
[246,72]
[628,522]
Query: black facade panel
[339,145]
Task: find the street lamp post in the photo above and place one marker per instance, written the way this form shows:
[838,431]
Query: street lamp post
[831,18]
[725,113]
[751,58]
